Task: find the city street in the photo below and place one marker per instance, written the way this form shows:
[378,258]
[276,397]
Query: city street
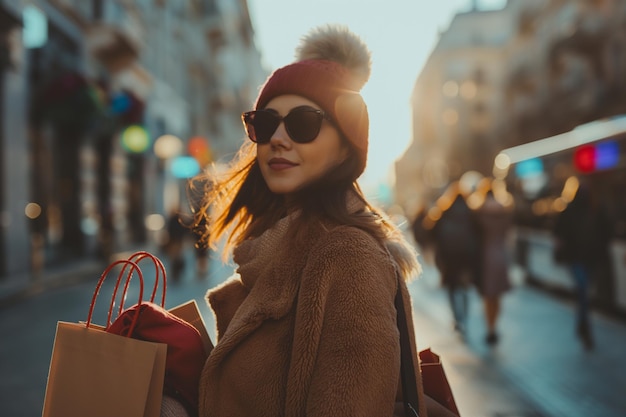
[538,369]
[492,132]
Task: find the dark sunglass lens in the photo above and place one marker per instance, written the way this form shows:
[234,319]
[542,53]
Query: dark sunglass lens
[262,125]
[250,130]
[303,125]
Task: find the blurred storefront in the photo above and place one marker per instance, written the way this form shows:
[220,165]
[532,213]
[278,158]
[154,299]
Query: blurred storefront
[8,26]
[86,88]
[544,176]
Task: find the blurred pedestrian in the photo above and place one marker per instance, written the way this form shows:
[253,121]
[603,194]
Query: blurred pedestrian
[174,245]
[421,229]
[582,235]
[456,239]
[495,217]
[307,326]
[201,250]
[197,188]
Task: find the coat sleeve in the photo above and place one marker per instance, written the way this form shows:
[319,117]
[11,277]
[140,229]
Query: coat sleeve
[346,323]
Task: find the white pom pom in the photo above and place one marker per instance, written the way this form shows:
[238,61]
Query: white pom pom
[337,43]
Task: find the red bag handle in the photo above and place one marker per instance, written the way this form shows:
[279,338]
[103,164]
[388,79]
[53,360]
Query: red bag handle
[134,267]
[158,266]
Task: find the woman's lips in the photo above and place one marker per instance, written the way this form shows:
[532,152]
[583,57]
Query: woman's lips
[280,164]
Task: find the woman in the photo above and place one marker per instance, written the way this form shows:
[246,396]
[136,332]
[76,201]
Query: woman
[457,244]
[495,215]
[307,326]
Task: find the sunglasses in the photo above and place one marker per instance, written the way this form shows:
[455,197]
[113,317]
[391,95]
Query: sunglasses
[302,124]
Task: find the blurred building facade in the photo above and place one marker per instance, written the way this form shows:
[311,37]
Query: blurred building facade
[536,69]
[500,78]
[457,107]
[86,87]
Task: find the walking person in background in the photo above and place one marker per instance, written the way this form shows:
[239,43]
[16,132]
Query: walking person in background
[456,239]
[307,326]
[174,245]
[421,230]
[202,261]
[582,235]
[495,217]
[197,187]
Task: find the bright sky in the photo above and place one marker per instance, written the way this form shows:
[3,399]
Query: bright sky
[399,33]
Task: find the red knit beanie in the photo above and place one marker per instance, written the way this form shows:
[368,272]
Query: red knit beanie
[332,66]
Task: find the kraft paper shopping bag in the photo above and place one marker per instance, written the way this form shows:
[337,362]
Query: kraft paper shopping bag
[98,374]
[190,312]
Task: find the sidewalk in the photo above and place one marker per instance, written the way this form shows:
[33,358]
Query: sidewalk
[17,287]
[538,369]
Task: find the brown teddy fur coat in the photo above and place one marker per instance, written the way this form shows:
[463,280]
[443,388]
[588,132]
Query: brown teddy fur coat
[308,332]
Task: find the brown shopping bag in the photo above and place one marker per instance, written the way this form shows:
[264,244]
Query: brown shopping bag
[190,312]
[99,374]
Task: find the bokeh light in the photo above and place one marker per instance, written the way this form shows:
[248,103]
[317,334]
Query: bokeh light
[154,222]
[32,210]
[135,139]
[168,146]
[199,148]
[185,167]
[35,32]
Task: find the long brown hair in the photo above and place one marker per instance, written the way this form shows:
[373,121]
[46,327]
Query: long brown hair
[239,204]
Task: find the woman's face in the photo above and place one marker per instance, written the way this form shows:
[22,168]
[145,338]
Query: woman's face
[288,166]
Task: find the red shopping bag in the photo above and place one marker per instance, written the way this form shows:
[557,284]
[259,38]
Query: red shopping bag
[435,382]
[186,352]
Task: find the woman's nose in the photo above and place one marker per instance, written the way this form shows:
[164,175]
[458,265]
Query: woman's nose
[280,136]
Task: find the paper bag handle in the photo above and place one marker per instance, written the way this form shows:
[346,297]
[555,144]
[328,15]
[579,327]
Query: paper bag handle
[134,267]
[159,268]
